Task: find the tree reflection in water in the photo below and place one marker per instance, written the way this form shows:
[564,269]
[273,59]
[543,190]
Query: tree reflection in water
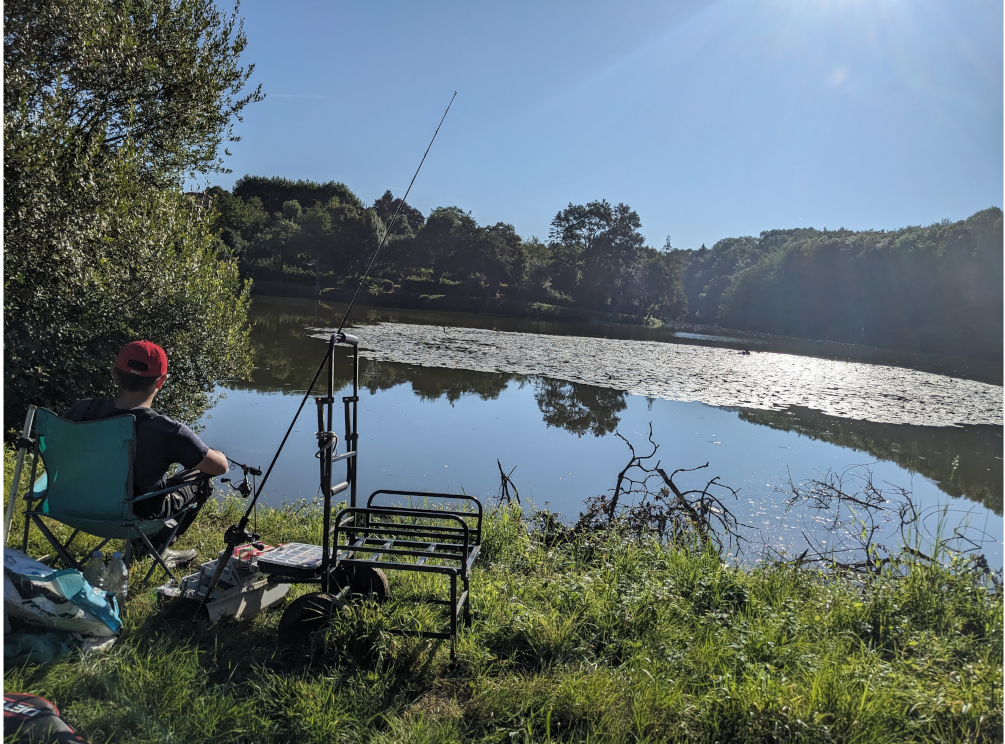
[286,358]
[580,409]
[962,461]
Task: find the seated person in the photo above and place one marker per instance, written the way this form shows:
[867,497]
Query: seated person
[140,371]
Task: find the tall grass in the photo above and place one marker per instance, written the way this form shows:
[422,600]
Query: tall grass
[593,637]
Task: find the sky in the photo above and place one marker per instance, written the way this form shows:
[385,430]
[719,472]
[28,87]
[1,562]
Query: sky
[710,119]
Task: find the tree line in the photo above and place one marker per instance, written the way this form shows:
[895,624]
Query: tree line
[322,233]
[930,289]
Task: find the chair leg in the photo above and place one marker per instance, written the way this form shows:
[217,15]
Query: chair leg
[158,559]
[167,544]
[66,545]
[57,546]
[27,524]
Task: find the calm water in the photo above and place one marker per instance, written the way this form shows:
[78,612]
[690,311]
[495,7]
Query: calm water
[441,404]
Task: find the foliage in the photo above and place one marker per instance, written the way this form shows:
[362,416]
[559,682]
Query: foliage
[274,192]
[600,636]
[235,220]
[334,235]
[410,219]
[934,289]
[162,75]
[596,259]
[600,248]
[105,108]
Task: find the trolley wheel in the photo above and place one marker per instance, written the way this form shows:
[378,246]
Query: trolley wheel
[306,615]
[364,581]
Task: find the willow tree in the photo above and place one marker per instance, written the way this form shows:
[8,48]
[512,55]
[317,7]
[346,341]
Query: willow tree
[108,107]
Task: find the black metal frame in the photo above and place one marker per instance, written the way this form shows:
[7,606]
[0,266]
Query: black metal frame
[327,442]
[425,540]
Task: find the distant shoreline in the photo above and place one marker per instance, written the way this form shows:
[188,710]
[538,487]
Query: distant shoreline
[985,370]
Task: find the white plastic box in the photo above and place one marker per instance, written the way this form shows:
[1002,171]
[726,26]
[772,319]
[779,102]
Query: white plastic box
[242,592]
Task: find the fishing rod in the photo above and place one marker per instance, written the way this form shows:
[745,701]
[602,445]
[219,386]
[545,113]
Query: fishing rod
[387,232]
[238,533]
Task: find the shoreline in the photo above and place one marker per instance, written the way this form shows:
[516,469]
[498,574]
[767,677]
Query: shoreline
[557,320]
[576,635]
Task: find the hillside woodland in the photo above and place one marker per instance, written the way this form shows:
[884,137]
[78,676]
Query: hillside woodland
[931,289]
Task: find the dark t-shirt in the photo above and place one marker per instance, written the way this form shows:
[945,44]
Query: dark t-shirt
[160,442]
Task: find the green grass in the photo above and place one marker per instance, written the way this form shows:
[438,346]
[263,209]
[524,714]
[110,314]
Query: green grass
[596,638]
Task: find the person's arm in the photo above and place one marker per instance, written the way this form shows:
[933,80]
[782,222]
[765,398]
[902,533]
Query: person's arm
[214,463]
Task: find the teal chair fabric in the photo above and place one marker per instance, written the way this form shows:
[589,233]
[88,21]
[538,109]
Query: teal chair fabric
[88,475]
[88,482]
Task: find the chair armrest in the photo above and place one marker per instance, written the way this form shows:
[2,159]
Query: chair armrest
[169,489]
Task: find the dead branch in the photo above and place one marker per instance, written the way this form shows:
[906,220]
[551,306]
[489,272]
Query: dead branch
[505,483]
[664,511]
[860,514]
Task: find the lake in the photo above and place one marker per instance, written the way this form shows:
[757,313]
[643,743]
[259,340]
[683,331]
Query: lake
[447,398]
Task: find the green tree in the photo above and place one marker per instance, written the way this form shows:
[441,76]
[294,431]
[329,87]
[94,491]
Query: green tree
[598,249]
[322,237]
[107,106]
[480,258]
[933,289]
[235,220]
[275,191]
[486,258]
[409,220]
[664,286]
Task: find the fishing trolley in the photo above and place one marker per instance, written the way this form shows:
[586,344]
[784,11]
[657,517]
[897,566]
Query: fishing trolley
[359,543]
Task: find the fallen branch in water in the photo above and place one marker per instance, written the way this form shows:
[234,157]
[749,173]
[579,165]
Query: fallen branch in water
[664,510]
[505,484]
[860,513]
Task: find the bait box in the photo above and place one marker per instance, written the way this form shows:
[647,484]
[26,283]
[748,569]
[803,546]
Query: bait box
[242,592]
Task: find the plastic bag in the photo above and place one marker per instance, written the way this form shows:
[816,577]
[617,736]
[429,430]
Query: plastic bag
[58,600]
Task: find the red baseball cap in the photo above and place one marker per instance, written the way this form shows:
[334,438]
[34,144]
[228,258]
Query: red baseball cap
[143,359]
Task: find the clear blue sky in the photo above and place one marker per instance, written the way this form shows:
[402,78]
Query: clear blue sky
[711,119]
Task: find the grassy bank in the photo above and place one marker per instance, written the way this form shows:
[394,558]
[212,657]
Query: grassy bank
[593,637]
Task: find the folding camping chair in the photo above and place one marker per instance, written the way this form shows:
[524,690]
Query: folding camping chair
[88,484]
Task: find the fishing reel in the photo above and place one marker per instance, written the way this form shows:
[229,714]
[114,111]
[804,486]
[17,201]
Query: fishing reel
[244,487]
[235,535]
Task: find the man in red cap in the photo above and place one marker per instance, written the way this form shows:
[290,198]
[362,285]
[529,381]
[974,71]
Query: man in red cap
[140,372]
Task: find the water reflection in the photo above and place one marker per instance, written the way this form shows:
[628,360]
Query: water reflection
[286,359]
[430,383]
[962,461]
[577,408]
